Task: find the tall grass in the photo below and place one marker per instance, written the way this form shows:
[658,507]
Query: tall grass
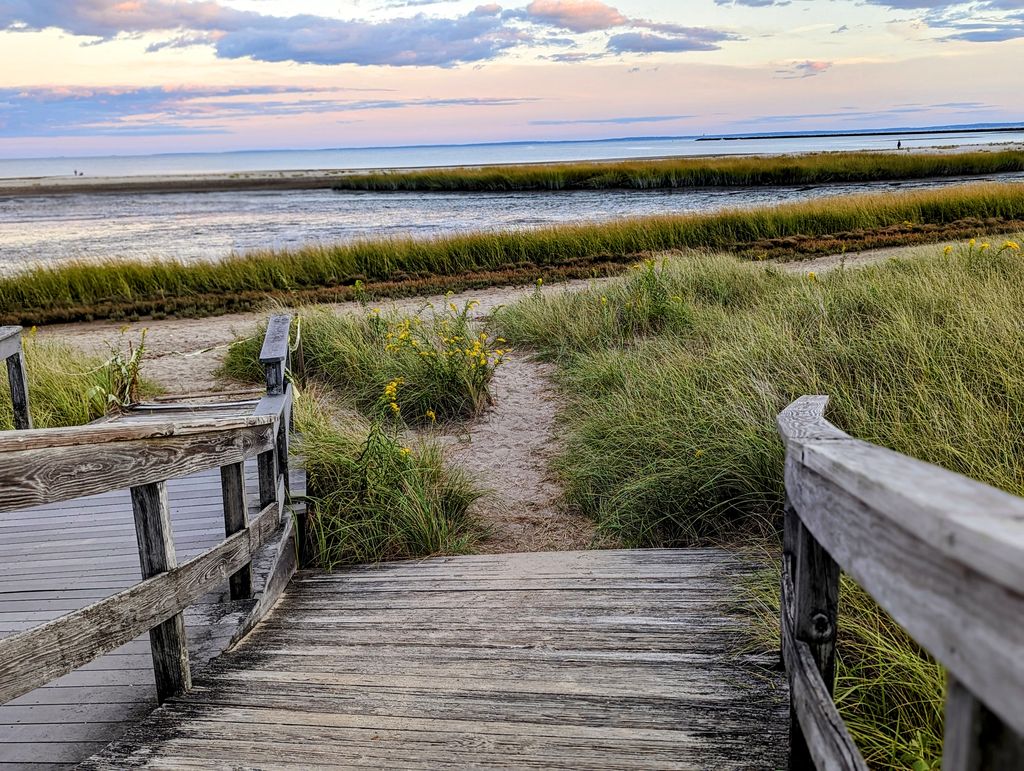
[69,388]
[811,169]
[434,365]
[121,288]
[673,377]
[377,497]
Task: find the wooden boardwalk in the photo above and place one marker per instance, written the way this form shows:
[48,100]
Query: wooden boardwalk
[61,557]
[602,659]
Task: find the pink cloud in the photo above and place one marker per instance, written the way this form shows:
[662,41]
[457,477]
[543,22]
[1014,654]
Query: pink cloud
[576,15]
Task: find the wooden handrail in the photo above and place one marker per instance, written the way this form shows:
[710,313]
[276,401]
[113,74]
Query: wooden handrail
[941,553]
[41,466]
[11,352]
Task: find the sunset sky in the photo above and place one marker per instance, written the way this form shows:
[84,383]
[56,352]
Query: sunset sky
[140,76]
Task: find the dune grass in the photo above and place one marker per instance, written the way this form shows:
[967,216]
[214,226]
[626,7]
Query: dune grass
[69,388]
[809,169]
[118,289]
[672,379]
[378,497]
[434,365]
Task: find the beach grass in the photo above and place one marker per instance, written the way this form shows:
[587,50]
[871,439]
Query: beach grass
[672,378]
[68,387]
[809,169]
[377,496]
[434,365]
[134,288]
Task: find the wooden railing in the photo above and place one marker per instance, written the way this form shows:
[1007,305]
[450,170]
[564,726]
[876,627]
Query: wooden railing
[10,351]
[51,465]
[943,554]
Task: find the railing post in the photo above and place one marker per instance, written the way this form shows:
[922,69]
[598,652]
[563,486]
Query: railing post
[232,479]
[16,376]
[167,640]
[815,580]
[976,739]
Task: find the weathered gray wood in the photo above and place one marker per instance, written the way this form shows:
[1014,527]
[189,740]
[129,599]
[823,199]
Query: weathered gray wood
[10,341]
[976,739]
[274,353]
[17,377]
[47,474]
[232,479]
[815,599]
[967,621]
[823,739]
[45,652]
[578,691]
[804,421]
[156,557]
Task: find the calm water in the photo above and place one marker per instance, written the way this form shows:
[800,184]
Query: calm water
[198,226]
[471,155]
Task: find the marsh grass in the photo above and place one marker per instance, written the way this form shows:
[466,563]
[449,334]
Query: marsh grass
[68,387]
[433,365]
[673,376]
[376,496]
[819,168]
[118,289]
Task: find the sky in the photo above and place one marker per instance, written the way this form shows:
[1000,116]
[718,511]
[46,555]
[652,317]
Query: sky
[88,77]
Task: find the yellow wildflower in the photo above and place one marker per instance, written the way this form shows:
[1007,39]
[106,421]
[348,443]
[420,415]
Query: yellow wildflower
[1012,245]
[985,246]
[431,416]
[812,275]
[394,407]
[540,282]
[947,250]
[972,242]
[604,301]
[698,454]
[404,452]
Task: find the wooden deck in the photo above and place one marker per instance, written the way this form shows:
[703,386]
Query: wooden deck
[61,557]
[603,659]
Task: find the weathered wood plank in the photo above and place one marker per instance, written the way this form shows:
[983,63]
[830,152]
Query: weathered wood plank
[233,487]
[10,341]
[274,353]
[46,474]
[156,557]
[804,421]
[977,740]
[17,379]
[968,622]
[46,652]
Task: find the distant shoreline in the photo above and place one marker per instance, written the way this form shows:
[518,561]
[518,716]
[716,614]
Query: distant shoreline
[879,133]
[325,179]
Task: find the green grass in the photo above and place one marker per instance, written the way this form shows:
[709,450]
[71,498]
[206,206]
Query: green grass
[118,289]
[672,379]
[376,498]
[435,365]
[68,387]
[810,169]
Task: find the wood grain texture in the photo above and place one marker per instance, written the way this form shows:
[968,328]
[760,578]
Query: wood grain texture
[167,639]
[232,480]
[41,475]
[337,677]
[10,341]
[276,340]
[976,739]
[17,379]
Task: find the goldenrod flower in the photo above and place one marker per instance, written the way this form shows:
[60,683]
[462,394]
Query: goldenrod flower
[812,276]
[394,407]
[540,282]
[972,242]
[985,246]
[698,454]
[1012,245]
[604,301]
[947,250]
[431,416]
[404,452]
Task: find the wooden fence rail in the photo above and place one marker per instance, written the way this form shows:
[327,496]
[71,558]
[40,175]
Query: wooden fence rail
[51,465]
[10,351]
[943,554]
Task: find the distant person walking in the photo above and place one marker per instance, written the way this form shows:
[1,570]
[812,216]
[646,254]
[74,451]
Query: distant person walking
[899,144]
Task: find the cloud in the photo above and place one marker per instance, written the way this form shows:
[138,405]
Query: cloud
[420,40]
[807,69]
[575,15]
[697,39]
[988,21]
[54,112]
[619,121]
